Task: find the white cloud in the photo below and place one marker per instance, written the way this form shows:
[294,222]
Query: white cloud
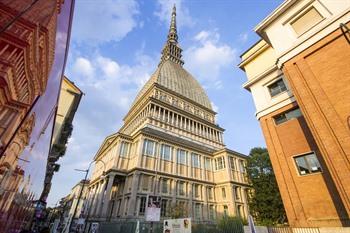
[243,37]
[208,57]
[104,21]
[83,67]
[183,17]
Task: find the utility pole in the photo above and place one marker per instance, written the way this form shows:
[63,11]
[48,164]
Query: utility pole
[82,188]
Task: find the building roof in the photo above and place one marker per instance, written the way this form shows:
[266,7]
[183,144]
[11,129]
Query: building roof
[171,74]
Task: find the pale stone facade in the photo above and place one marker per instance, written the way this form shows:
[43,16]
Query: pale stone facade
[169,145]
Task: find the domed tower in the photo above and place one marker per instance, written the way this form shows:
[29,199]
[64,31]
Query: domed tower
[169,146]
[173,101]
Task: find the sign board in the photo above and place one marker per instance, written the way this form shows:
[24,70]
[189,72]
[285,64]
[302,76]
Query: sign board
[153,208]
[180,225]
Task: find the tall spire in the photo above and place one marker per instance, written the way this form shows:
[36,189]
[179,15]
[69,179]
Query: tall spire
[172,50]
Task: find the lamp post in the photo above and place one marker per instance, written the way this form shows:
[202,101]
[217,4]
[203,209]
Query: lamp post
[82,188]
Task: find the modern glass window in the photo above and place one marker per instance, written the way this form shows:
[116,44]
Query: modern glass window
[149,147]
[286,116]
[219,163]
[208,164]
[195,160]
[277,87]
[165,152]
[223,192]
[232,163]
[142,206]
[182,157]
[307,164]
[181,188]
[124,149]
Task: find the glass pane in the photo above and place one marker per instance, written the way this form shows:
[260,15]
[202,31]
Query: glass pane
[280,119]
[295,113]
[314,165]
[302,165]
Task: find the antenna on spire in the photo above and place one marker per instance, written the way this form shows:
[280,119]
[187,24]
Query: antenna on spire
[172,50]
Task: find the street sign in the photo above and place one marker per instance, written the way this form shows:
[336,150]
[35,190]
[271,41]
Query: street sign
[153,208]
[180,225]
[94,227]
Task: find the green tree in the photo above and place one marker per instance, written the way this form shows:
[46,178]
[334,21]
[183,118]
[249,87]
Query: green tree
[264,201]
[178,211]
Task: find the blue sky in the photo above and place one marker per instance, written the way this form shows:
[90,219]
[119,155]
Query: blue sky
[115,47]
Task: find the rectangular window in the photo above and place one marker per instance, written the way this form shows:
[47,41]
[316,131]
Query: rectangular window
[225,210]
[124,149]
[237,193]
[196,190]
[277,87]
[208,164]
[163,208]
[210,193]
[149,147]
[181,188]
[223,191]
[286,116]
[142,206]
[211,212]
[232,163]
[219,163]
[165,186]
[181,157]
[307,164]
[241,166]
[165,152]
[145,182]
[195,160]
[197,211]
[306,21]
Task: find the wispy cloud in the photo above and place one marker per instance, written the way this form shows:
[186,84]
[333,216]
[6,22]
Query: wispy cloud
[109,20]
[208,57]
[164,9]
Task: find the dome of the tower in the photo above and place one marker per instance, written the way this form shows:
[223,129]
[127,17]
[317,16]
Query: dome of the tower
[174,77]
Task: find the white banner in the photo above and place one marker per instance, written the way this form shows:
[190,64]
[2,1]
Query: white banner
[153,208]
[180,225]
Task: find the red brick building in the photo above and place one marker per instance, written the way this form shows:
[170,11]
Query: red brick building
[299,76]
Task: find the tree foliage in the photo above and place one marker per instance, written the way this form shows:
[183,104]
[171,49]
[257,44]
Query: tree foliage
[264,201]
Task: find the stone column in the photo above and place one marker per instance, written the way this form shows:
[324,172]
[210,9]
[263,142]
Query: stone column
[173,191]
[95,201]
[132,200]
[107,197]
[190,201]
[100,197]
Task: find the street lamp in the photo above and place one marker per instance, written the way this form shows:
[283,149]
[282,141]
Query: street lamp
[82,188]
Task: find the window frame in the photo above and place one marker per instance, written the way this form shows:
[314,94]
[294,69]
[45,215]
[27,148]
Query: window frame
[146,143]
[178,159]
[307,162]
[124,144]
[193,155]
[275,82]
[162,150]
[286,116]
